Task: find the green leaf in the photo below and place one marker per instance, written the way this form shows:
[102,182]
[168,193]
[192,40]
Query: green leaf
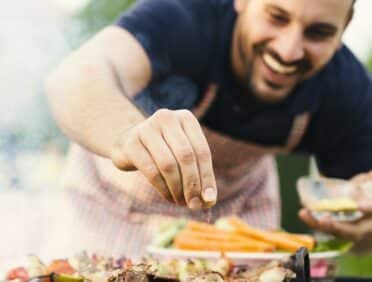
[333,245]
[165,236]
[223,223]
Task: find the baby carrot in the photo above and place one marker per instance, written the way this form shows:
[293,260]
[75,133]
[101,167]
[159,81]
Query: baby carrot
[189,243]
[227,237]
[280,241]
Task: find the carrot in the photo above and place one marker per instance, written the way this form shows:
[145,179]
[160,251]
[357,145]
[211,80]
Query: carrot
[191,243]
[226,237]
[307,241]
[243,228]
[280,241]
[204,227]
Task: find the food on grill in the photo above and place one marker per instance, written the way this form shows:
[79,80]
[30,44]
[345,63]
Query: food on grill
[71,270]
[99,269]
[271,272]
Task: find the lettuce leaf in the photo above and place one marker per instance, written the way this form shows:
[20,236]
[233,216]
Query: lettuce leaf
[165,236]
[342,246]
[223,223]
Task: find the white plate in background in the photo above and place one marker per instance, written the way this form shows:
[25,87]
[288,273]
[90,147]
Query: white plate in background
[236,257]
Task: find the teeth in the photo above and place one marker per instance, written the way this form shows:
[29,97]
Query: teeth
[276,66]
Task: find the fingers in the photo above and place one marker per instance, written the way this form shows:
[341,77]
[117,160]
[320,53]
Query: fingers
[144,162]
[170,149]
[362,178]
[164,160]
[183,152]
[362,192]
[345,230]
[195,135]
[305,216]
[349,231]
[119,157]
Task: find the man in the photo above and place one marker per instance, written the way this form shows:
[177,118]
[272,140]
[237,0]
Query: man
[175,84]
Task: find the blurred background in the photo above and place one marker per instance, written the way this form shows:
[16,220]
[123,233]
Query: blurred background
[34,37]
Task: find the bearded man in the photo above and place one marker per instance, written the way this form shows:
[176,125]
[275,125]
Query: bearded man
[181,104]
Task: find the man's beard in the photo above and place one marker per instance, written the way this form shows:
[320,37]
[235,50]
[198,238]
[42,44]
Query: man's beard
[303,66]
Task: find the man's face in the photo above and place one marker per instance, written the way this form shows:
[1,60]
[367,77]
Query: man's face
[279,43]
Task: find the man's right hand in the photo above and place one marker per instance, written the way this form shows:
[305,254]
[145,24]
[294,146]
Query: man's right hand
[171,151]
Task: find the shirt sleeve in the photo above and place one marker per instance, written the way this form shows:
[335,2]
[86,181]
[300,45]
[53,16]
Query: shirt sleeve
[173,34]
[341,132]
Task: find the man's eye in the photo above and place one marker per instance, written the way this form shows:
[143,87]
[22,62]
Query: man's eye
[278,19]
[318,34]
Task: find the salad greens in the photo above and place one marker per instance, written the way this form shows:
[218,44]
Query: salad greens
[223,223]
[165,236]
[342,246]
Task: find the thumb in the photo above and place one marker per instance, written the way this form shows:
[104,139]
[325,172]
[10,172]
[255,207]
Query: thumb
[119,157]
[124,164]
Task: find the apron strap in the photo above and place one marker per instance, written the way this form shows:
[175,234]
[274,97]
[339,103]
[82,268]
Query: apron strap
[207,100]
[299,127]
[297,132]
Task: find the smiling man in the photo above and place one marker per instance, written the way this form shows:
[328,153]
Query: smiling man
[181,99]
[278,44]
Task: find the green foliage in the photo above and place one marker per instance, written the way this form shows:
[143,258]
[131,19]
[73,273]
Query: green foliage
[369,62]
[95,16]
[290,168]
[101,13]
[165,236]
[352,265]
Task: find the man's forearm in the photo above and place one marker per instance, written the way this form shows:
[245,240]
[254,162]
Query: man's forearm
[90,108]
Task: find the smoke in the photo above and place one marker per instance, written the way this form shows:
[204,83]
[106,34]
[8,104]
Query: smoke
[32,42]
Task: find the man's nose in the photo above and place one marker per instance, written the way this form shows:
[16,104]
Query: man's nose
[289,45]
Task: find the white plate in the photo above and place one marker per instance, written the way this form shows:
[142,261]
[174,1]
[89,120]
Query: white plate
[237,258]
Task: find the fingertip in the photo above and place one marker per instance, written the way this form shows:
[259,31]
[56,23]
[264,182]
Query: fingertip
[307,218]
[210,195]
[195,203]
[209,205]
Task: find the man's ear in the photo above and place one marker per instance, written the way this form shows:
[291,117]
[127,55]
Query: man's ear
[349,17]
[239,5]
[348,20]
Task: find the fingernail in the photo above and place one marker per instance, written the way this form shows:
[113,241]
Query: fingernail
[210,195]
[195,204]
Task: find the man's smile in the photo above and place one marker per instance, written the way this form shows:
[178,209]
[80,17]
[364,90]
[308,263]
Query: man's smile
[277,66]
